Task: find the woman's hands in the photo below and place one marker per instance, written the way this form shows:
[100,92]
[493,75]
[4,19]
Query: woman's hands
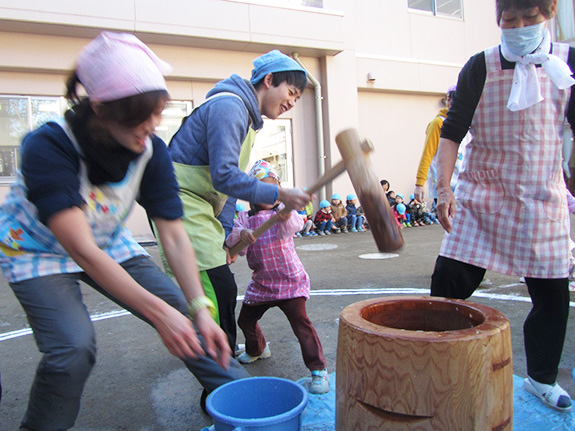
[446,157]
[446,207]
[215,340]
[177,333]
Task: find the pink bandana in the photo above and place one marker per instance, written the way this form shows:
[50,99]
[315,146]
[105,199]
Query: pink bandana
[118,65]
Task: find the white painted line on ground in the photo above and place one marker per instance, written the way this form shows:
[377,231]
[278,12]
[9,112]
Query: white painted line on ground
[317,247]
[27,331]
[323,292]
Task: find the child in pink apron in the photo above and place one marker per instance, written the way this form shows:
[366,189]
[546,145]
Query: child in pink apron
[278,280]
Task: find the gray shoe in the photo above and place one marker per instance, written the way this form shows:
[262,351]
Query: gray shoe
[319,382]
[244,358]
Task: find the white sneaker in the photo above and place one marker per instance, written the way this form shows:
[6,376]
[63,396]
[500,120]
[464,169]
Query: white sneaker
[552,395]
[240,348]
[244,358]
[319,382]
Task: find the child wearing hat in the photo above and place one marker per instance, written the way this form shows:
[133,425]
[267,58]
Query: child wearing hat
[354,220]
[278,280]
[323,219]
[211,151]
[339,214]
[239,208]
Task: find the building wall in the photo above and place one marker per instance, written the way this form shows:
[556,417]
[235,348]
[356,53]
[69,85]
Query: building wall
[413,57]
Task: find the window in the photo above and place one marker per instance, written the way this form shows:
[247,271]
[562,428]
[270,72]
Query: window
[438,7]
[172,117]
[273,144]
[22,114]
[565,21]
[18,116]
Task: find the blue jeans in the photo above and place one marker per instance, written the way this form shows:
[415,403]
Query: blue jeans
[354,221]
[65,335]
[325,226]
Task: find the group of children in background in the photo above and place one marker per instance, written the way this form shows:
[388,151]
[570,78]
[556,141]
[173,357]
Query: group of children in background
[334,217]
[412,214]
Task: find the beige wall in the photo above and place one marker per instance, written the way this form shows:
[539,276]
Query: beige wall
[414,57]
[398,143]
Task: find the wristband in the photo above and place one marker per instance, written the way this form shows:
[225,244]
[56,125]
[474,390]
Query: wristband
[200,302]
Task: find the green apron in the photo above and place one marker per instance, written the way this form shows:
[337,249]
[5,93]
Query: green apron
[202,204]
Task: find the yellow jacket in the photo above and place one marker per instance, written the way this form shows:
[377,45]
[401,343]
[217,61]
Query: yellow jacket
[432,135]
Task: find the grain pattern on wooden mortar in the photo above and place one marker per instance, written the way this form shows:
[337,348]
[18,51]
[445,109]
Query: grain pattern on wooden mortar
[419,380]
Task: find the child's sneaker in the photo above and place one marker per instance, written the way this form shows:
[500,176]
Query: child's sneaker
[240,348]
[321,232]
[353,229]
[319,382]
[552,395]
[244,358]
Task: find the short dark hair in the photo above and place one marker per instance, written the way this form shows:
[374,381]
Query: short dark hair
[290,77]
[545,6]
[128,111]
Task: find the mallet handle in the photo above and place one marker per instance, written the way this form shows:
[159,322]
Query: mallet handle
[329,176]
[335,171]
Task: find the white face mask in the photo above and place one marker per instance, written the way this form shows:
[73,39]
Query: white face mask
[523,40]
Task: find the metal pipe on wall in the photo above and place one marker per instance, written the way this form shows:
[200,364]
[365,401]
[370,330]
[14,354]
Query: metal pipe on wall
[319,123]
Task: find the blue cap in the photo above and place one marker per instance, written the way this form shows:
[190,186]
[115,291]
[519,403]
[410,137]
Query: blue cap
[350,197]
[399,195]
[324,204]
[412,196]
[336,196]
[240,207]
[273,61]
[400,208]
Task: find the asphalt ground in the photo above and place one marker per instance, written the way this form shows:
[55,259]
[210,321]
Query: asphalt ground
[137,385]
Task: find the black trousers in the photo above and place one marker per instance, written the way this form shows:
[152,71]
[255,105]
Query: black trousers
[226,291]
[545,326]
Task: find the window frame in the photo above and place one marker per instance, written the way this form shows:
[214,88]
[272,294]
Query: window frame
[63,106]
[434,12]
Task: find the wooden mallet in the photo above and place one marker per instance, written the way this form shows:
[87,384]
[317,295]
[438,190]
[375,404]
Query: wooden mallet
[355,159]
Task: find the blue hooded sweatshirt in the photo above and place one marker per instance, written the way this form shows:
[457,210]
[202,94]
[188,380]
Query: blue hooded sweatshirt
[213,135]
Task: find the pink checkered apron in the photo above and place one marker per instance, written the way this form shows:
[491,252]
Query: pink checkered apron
[512,214]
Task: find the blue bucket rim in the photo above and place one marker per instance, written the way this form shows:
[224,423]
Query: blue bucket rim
[231,420]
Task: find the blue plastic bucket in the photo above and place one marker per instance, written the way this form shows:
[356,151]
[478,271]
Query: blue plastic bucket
[258,403]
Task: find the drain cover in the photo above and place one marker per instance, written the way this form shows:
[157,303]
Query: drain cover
[374,256]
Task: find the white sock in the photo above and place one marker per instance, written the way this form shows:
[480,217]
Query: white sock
[541,387]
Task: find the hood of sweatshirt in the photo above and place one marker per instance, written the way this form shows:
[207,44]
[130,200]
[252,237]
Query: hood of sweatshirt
[243,88]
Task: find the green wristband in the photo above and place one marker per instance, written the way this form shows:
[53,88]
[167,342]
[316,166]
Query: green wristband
[200,302]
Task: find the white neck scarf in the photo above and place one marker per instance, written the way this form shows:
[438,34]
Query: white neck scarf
[526,91]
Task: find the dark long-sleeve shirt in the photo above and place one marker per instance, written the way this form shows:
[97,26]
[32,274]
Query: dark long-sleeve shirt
[469,89]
